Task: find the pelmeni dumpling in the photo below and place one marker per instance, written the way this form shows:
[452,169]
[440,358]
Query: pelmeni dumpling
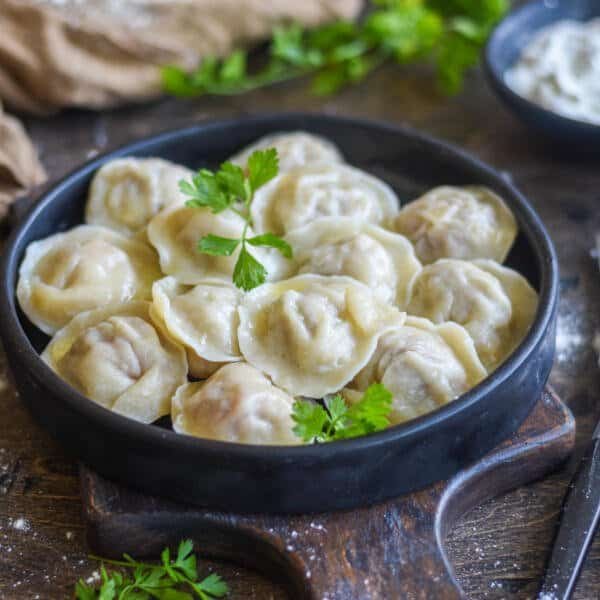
[294,149]
[85,268]
[385,262]
[312,334]
[458,222]
[127,193]
[236,404]
[202,318]
[301,196]
[495,304]
[118,358]
[176,231]
[423,365]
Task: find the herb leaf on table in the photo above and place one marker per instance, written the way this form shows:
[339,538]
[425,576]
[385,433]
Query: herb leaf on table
[172,579]
[336,420]
[449,34]
[233,188]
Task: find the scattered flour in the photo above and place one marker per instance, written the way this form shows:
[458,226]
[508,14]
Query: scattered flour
[21,524]
[569,338]
[93,578]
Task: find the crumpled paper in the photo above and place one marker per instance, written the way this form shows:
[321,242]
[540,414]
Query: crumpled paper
[99,53]
[20,168]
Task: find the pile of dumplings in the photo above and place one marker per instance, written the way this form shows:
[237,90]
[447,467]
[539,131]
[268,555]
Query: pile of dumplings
[143,324]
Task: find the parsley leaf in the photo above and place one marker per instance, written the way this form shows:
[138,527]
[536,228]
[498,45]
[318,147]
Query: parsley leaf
[83,591]
[215,245]
[337,409]
[232,187]
[234,67]
[213,585]
[248,272]
[370,413]
[310,419]
[186,560]
[169,580]
[231,177]
[289,46]
[207,190]
[338,421]
[263,165]
[343,52]
[272,241]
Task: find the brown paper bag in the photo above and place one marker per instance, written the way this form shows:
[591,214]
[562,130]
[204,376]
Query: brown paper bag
[98,53]
[19,165]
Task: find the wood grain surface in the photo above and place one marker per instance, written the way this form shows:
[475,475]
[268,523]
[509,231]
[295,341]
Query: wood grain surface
[395,549]
[498,549]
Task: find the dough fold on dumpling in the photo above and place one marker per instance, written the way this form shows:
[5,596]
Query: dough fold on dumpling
[312,334]
[384,261]
[118,358]
[176,231]
[304,195]
[202,318]
[126,193]
[458,222]
[84,268]
[236,404]
[423,365]
[495,304]
[294,149]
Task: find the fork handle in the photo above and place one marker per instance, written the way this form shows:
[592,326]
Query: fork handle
[578,520]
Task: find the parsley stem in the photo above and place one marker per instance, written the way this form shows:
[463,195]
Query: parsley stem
[121,563]
[239,212]
[244,235]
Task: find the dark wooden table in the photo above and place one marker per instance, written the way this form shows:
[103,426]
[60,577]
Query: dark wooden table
[499,549]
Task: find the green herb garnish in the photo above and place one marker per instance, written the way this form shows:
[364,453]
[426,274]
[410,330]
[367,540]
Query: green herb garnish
[170,580]
[446,33]
[233,188]
[338,421]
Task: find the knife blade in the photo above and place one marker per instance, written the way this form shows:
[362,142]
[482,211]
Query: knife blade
[579,517]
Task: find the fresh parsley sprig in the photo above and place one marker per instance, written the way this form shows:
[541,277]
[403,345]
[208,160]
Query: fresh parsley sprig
[447,33]
[338,421]
[172,579]
[233,188]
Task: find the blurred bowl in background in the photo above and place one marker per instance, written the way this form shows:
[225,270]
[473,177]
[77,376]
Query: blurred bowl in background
[504,48]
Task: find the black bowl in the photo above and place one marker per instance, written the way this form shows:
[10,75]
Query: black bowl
[304,478]
[504,48]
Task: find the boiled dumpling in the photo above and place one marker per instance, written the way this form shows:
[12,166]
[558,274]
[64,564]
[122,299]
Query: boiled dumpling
[85,268]
[385,262]
[236,404]
[301,196]
[118,358]
[458,222]
[202,318]
[294,149]
[312,334]
[423,365]
[126,193]
[176,231]
[495,304]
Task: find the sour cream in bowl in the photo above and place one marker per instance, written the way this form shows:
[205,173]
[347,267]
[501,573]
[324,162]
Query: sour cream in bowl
[543,60]
[559,69]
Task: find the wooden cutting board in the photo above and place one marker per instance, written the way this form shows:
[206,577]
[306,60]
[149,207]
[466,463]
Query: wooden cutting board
[388,551]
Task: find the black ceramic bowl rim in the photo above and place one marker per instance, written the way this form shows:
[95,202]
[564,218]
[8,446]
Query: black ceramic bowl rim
[13,334]
[496,77]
